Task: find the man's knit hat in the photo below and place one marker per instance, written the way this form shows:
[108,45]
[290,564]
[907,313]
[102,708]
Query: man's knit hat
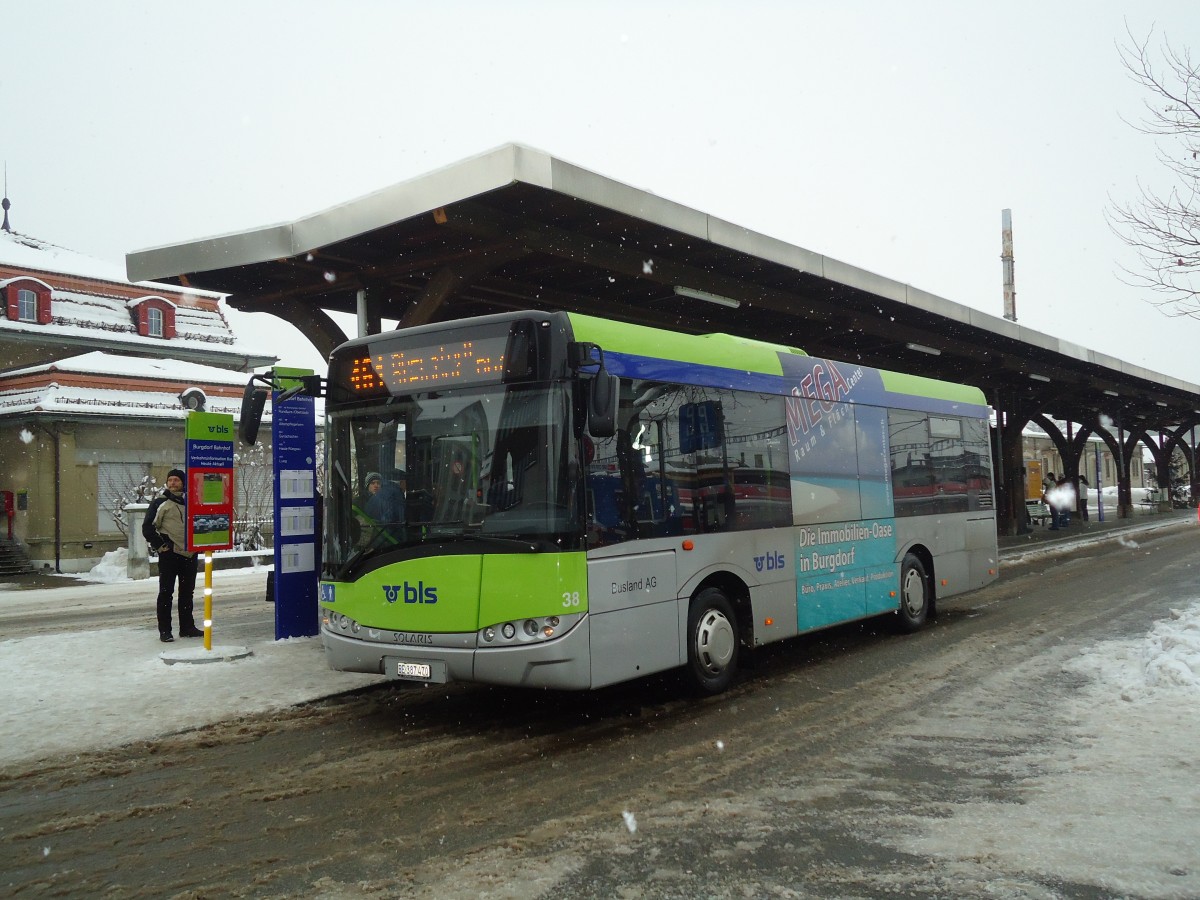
[178,473]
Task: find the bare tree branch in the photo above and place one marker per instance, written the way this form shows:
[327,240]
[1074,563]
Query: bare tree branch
[1164,228]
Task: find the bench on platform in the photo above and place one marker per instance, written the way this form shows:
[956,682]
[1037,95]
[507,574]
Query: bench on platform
[1037,511]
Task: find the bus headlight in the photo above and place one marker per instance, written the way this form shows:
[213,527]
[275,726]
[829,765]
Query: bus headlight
[527,631]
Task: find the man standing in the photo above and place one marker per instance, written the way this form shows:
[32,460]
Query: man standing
[165,528]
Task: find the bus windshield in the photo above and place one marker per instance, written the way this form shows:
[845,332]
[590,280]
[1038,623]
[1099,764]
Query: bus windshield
[490,466]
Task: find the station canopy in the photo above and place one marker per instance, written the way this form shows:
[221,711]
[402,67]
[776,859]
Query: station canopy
[516,228]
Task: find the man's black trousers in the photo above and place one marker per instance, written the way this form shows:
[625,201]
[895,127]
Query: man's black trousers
[172,567]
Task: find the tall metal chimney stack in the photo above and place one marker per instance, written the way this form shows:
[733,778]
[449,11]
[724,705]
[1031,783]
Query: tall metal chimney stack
[1006,258]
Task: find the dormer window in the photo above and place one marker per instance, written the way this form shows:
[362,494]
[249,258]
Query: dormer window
[26,305]
[154,316]
[26,300]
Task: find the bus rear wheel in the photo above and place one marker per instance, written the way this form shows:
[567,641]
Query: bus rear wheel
[914,595]
[712,641]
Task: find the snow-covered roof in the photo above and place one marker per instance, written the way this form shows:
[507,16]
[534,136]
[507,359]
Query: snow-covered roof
[100,363]
[81,401]
[26,252]
[140,300]
[67,396]
[99,396]
[98,312]
[80,314]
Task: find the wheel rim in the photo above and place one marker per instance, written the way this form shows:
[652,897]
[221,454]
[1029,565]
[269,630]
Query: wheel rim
[715,642]
[913,593]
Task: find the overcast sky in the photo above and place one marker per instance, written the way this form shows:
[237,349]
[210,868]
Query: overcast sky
[889,136]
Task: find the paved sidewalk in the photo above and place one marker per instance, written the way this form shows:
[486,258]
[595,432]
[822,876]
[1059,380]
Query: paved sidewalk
[1041,538]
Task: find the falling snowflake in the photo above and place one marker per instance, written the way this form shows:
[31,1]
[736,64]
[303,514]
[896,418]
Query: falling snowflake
[630,821]
[648,267]
[26,436]
[331,277]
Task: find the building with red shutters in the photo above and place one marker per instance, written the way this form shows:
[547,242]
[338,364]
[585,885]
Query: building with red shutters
[96,378]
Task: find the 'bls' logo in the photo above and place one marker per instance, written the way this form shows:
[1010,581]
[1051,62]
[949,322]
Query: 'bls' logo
[770,562]
[417,593]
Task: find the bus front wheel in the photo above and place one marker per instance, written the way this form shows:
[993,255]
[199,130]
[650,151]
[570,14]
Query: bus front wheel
[914,595]
[712,641]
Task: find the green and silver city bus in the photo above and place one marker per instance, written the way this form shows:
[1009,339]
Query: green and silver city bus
[567,502]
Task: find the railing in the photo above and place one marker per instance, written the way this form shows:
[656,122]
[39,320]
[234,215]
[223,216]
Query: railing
[252,534]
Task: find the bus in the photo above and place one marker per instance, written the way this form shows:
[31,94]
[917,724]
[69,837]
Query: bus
[579,502]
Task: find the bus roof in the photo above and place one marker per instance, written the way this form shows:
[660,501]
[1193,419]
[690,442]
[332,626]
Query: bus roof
[747,357]
[724,350]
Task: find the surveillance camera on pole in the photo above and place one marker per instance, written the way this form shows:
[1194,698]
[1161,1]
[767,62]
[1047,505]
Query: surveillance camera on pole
[193,398]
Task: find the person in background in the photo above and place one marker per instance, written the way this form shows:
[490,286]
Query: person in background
[1063,496]
[165,529]
[1083,491]
[1048,485]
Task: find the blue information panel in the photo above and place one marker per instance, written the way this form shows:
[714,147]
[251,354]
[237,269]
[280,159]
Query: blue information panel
[294,437]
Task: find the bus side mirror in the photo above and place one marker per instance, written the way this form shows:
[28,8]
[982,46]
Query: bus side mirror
[254,398]
[602,404]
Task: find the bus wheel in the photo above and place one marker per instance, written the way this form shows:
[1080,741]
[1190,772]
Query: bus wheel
[712,641]
[914,595]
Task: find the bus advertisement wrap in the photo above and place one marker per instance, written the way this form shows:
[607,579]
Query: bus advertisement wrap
[838,438]
[844,571]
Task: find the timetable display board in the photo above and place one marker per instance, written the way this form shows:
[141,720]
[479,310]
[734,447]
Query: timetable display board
[209,455]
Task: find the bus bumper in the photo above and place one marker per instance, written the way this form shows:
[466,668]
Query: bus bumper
[563,663]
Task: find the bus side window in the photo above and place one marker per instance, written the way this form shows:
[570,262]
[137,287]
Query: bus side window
[632,479]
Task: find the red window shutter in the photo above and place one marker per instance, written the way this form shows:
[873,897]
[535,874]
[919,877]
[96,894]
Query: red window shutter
[14,309]
[168,321]
[143,324]
[43,304]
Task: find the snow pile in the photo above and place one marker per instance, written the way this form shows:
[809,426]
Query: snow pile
[1103,791]
[112,568]
[1163,666]
[123,692]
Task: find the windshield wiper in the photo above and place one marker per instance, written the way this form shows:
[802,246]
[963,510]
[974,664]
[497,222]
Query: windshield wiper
[512,542]
[372,543]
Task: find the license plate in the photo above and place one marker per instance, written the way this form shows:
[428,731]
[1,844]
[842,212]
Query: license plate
[413,670]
